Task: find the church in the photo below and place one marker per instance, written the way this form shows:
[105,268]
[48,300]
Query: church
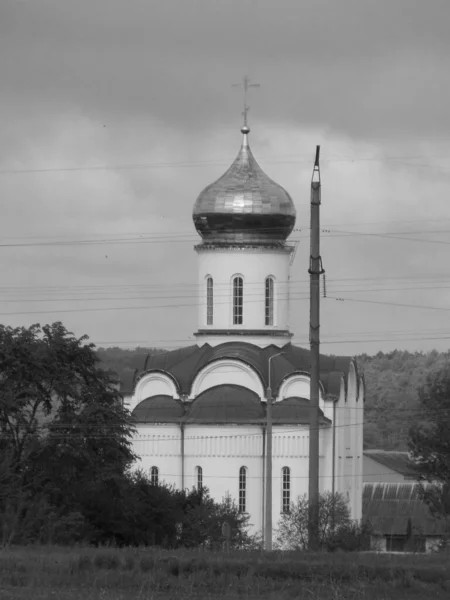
[200,411]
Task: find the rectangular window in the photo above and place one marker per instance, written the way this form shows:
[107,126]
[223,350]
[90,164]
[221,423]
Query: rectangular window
[209,301]
[242,489]
[199,478]
[154,475]
[286,500]
[269,301]
[238,301]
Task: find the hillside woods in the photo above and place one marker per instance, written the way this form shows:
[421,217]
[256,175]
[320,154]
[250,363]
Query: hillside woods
[392,380]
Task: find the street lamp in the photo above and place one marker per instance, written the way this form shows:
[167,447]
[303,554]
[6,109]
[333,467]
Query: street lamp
[268,519]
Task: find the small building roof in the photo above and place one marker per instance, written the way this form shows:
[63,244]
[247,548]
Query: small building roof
[389,506]
[395,460]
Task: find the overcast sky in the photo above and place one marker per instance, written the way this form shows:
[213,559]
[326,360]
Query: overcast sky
[115,114]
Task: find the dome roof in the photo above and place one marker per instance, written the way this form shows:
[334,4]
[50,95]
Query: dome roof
[158,409]
[244,205]
[226,404]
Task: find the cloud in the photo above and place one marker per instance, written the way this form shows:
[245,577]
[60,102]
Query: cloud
[144,90]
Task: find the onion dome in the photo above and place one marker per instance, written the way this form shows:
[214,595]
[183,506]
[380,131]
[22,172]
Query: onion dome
[244,206]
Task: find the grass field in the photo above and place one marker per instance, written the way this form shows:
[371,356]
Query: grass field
[39,573]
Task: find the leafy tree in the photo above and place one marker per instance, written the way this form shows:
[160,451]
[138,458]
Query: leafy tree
[429,440]
[292,532]
[62,423]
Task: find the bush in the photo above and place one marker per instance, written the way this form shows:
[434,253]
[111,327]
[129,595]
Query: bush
[350,537]
[292,531]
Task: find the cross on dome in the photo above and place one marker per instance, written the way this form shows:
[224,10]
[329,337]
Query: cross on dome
[245,85]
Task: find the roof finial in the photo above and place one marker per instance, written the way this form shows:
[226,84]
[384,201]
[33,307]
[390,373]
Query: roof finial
[246,85]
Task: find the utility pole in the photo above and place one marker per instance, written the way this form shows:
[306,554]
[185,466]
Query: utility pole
[315,271]
[268,507]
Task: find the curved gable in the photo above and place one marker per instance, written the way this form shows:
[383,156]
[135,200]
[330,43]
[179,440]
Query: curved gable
[155,383]
[226,404]
[222,371]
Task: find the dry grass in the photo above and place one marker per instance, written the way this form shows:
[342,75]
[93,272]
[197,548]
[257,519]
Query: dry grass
[111,574]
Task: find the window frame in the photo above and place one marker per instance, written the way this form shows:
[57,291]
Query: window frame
[242,497]
[238,300]
[209,300]
[286,490]
[199,475]
[269,301]
[154,475]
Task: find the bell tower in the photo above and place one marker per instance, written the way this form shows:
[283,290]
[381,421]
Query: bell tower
[244,219]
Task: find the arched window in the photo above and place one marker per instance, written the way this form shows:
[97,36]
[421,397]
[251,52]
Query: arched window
[199,472]
[154,475]
[238,301]
[286,491]
[242,489]
[209,301]
[269,301]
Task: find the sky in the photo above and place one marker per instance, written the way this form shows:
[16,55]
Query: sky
[115,114]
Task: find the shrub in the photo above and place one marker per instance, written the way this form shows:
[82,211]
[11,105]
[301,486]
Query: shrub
[292,531]
[350,537]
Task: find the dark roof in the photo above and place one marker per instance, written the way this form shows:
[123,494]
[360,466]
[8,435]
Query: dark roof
[397,461]
[293,410]
[222,404]
[184,364]
[158,409]
[389,506]
[226,404]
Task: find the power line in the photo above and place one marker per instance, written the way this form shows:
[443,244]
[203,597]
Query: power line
[280,159]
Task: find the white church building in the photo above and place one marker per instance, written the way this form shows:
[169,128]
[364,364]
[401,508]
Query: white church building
[200,411]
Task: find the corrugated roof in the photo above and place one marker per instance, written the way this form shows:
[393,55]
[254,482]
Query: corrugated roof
[389,507]
[397,461]
[184,364]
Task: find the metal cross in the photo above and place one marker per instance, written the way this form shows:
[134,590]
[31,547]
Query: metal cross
[246,85]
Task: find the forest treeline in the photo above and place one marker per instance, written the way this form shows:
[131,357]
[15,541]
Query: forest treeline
[392,383]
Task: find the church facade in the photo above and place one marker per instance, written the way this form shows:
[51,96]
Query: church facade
[200,411]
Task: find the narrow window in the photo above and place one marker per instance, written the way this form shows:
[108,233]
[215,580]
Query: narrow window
[242,489]
[199,478]
[154,475]
[209,301]
[269,301]
[238,298]
[286,500]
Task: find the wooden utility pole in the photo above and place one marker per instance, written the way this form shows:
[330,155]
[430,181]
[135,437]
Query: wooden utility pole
[315,271]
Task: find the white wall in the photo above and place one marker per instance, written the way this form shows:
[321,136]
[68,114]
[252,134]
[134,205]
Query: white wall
[159,446]
[221,451]
[349,444]
[253,265]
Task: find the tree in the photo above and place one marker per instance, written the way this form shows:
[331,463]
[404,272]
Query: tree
[429,440]
[292,533]
[429,436]
[62,423]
